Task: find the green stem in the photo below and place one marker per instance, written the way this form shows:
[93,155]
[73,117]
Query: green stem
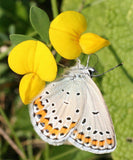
[55,13]
[54,8]
[29,150]
[58,58]
[46,151]
[12,131]
[64,154]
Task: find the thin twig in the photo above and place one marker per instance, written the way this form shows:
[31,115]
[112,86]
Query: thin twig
[2,120]
[12,144]
[38,155]
[54,8]
[12,131]
[81,6]
[36,142]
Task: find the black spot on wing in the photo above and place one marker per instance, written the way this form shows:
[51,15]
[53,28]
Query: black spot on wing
[89,128]
[47,92]
[84,121]
[60,121]
[66,102]
[95,112]
[101,133]
[95,132]
[77,110]
[39,116]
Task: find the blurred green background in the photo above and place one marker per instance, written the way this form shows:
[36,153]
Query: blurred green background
[112,19]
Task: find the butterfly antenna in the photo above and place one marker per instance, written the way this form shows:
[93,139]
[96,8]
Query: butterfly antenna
[107,70]
[87,62]
[88,59]
[78,63]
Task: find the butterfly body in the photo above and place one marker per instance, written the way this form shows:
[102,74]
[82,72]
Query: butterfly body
[72,109]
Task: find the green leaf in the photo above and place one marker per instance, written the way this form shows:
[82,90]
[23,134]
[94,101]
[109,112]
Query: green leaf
[114,20]
[40,22]
[119,23]
[63,152]
[18,38]
[84,155]
[20,126]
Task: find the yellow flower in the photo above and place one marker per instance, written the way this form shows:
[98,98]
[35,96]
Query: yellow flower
[66,35]
[36,62]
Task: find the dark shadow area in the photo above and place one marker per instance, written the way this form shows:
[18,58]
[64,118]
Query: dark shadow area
[120,61]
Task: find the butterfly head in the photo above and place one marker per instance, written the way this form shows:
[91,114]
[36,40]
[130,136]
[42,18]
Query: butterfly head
[91,71]
[81,71]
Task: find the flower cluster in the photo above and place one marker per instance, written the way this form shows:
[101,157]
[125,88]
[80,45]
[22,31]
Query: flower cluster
[68,38]
[34,60]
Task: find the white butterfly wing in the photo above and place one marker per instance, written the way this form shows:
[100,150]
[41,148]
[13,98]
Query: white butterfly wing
[57,110]
[94,132]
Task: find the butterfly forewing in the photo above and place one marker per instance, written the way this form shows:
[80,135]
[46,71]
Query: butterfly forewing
[56,111]
[94,132]
[73,109]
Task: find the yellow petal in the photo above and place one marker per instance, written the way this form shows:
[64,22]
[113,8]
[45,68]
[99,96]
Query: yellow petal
[30,86]
[90,43]
[65,44]
[65,31]
[33,56]
[22,56]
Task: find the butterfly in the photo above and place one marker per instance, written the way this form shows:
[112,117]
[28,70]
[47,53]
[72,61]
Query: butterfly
[72,109]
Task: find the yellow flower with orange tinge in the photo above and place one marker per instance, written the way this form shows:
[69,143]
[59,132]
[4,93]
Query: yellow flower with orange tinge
[68,38]
[35,61]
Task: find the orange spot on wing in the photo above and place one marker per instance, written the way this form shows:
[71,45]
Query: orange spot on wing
[80,136]
[64,130]
[75,131]
[87,139]
[72,125]
[42,113]
[55,131]
[101,143]
[83,137]
[109,141]
[48,127]
[94,142]
[38,103]
[44,120]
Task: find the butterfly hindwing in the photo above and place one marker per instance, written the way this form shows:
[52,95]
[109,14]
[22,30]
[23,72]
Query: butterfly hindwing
[55,113]
[94,132]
